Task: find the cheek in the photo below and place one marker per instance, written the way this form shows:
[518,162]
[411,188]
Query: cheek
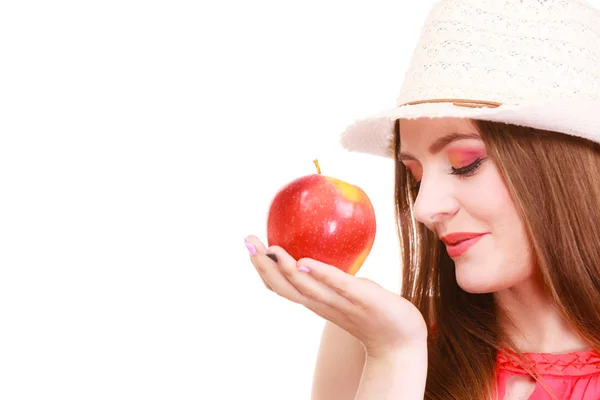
[506,255]
[487,199]
[492,206]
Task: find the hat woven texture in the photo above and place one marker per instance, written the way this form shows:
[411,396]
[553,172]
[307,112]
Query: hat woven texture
[533,63]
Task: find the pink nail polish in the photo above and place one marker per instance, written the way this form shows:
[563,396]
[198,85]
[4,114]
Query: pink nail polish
[251,248]
[303,269]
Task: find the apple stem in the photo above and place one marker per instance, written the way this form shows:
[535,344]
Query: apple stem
[317,165]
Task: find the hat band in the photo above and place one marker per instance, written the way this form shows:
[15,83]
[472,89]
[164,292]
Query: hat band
[457,102]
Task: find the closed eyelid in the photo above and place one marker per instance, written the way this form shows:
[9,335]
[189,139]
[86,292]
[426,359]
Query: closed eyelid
[466,167]
[462,159]
[441,143]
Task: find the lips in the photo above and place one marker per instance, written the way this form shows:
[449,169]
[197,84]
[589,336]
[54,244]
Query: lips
[456,237]
[459,243]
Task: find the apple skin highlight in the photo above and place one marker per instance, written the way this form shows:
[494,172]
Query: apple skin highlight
[325,219]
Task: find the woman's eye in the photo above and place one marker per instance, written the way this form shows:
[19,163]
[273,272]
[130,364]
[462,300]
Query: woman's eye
[468,170]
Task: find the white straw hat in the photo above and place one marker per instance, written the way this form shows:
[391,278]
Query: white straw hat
[534,63]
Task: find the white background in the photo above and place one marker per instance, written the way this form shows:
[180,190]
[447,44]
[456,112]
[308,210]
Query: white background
[139,143]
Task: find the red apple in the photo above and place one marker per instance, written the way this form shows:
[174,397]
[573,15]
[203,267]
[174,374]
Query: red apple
[323,218]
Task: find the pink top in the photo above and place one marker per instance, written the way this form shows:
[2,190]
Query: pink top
[574,376]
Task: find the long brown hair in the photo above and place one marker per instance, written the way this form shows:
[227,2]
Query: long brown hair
[554,181]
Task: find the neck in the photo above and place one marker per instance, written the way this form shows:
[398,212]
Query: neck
[537,326]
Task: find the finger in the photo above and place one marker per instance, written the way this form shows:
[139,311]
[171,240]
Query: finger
[269,272]
[344,284]
[264,259]
[256,247]
[319,313]
[265,283]
[283,287]
[256,242]
[307,285]
[260,247]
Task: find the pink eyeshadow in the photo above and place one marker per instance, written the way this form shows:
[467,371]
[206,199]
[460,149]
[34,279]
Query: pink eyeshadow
[463,157]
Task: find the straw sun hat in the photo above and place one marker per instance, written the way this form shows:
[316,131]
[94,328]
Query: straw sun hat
[526,62]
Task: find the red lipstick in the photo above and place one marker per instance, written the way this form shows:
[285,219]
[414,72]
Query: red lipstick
[458,243]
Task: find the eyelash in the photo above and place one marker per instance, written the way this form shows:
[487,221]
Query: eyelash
[467,170]
[462,172]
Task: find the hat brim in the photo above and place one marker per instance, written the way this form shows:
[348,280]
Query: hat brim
[374,135]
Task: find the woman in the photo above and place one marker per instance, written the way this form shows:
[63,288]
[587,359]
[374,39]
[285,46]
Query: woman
[495,141]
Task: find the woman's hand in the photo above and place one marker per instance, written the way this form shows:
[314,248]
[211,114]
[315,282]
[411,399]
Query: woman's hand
[383,321]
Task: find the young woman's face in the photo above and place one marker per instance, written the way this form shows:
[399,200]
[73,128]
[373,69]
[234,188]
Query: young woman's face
[462,198]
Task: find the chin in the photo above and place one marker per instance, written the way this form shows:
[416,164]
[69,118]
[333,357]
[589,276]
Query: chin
[477,281]
[475,288]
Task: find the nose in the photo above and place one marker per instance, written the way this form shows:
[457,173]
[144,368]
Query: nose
[435,201]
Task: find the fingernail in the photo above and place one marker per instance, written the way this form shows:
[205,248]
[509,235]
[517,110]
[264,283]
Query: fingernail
[272,257]
[251,248]
[303,269]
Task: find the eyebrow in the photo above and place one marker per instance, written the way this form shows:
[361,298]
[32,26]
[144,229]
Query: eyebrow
[442,142]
